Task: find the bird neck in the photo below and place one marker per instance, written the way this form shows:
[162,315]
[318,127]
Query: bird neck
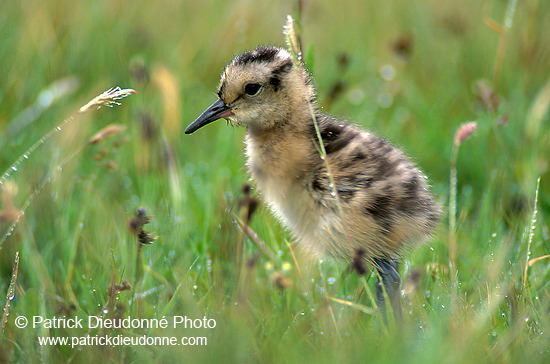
[278,154]
[292,124]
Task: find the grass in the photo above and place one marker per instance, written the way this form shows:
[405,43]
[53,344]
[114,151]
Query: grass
[408,71]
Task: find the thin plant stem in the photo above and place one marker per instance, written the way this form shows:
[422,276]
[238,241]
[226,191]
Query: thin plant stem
[532,226]
[11,292]
[294,43]
[503,41]
[464,132]
[453,182]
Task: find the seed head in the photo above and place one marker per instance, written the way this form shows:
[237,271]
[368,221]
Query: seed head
[464,132]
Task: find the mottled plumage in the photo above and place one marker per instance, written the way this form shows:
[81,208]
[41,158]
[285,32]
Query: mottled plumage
[379,202]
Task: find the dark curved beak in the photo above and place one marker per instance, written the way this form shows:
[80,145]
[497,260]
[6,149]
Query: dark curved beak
[217,110]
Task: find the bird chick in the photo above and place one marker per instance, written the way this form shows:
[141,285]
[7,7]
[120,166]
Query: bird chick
[340,190]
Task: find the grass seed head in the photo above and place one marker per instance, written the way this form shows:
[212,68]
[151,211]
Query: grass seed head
[281,281]
[358,262]
[464,132]
[107,132]
[108,98]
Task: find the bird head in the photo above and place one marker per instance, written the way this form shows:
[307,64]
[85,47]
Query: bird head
[257,90]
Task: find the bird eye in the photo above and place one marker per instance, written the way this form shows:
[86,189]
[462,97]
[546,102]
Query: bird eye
[252,89]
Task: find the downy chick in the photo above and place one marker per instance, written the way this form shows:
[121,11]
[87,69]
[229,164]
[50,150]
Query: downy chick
[365,198]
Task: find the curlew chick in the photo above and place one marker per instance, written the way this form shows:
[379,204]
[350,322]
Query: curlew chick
[365,199]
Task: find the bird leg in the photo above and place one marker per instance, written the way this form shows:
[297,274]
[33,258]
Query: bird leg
[390,285]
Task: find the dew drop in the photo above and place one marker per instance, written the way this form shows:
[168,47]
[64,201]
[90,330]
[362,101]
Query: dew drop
[388,72]
[385,100]
[356,96]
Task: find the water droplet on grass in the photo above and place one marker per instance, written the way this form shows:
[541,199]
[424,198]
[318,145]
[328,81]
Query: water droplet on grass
[388,72]
[385,100]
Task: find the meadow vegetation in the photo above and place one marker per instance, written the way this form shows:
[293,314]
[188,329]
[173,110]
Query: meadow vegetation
[142,221]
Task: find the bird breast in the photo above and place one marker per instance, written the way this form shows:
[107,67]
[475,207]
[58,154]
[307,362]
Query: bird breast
[280,168]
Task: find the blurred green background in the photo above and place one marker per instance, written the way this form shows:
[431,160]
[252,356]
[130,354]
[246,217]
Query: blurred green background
[412,72]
